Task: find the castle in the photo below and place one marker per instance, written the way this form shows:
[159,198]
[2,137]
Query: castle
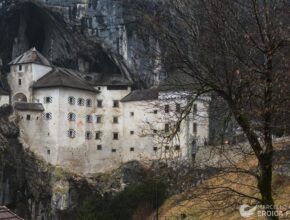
[91,123]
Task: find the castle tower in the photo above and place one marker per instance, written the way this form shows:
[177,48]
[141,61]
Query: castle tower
[24,71]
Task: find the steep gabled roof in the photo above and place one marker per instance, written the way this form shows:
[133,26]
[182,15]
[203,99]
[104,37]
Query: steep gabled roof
[5,213]
[28,106]
[141,95]
[31,56]
[61,77]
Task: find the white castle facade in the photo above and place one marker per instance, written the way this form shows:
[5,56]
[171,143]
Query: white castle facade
[91,123]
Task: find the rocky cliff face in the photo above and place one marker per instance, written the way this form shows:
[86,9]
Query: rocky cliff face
[37,190]
[90,35]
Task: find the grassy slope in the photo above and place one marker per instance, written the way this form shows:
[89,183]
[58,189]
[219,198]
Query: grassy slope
[195,205]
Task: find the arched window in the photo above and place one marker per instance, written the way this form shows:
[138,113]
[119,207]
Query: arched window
[88,102]
[71,100]
[47,116]
[71,116]
[19,97]
[81,102]
[47,99]
[89,119]
[71,133]
[88,135]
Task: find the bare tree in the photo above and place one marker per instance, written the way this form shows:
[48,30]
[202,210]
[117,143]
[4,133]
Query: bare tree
[236,50]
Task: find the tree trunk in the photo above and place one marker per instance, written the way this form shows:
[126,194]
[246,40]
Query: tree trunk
[265,185]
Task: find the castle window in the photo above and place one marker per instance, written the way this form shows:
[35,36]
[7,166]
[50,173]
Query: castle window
[99,147]
[132,114]
[155,111]
[178,108]
[19,67]
[166,108]
[195,128]
[48,152]
[115,136]
[99,119]
[155,131]
[89,119]
[194,108]
[71,116]
[98,135]
[71,133]
[19,82]
[48,99]
[71,100]
[131,132]
[177,147]
[116,103]
[114,150]
[47,116]
[115,119]
[28,117]
[166,147]
[155,148]
[132,149]
[166,128]
[88,135]
[99,103]
[81,102]
[89,102]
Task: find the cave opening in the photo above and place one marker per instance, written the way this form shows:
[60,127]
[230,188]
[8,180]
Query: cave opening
[35,29]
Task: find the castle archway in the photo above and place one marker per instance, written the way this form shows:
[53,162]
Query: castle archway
[19,97]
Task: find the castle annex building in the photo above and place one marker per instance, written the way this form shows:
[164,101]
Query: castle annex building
[93,122]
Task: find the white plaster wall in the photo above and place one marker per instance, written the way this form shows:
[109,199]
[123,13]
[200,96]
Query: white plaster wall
[29,74]
[39,71]
[4,99]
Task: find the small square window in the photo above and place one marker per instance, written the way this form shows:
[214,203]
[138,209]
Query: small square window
[114,150]
[116,103]
[115,136]
[48,99]
[155,148]
[99,147]
[155,131]
[132,114]
[115,119]
[155,111]
[177,147]
[166,129]
[99,119]
[71,133]
[166,147]
[98,135]
[19,67]
[99,88]
[28,117]
[132,149]
[166,108]
[131,132]
[194,108]
[178,108]
[194,127]
[71,116]
[19,82]
[99,103]
[89,119]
